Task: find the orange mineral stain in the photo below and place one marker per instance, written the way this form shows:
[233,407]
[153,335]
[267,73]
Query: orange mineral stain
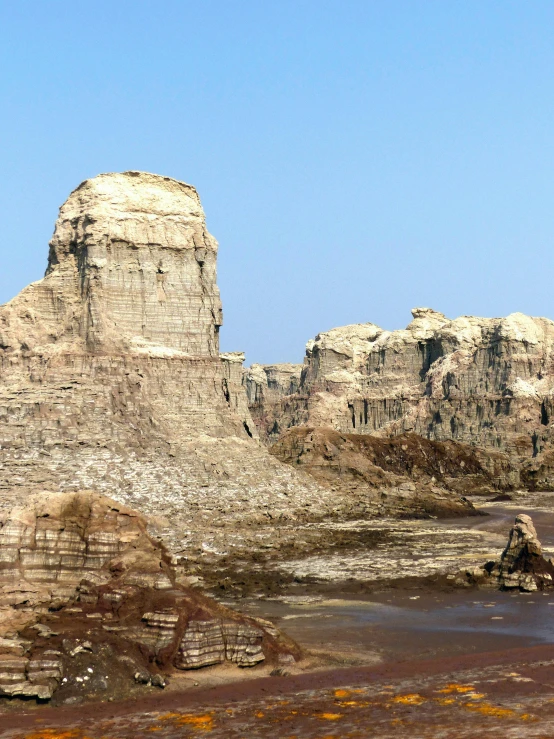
[329,716]
[457,688]
[411,699]
[342,693]
[487,709]
[202,722]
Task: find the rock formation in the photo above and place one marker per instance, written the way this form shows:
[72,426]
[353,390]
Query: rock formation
[481,381]
[395,476]
[111,377]
[521,566]
[81,577]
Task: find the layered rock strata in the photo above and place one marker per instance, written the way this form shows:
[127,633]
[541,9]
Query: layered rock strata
[81,577]
[482,381]
[111,377]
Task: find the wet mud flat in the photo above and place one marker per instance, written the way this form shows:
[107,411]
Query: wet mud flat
[508,694]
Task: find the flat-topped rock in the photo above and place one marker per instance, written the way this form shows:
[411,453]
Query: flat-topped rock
[131,267]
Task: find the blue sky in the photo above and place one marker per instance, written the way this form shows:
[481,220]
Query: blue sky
[354,159]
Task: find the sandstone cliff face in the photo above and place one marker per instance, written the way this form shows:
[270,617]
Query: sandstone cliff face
[482,381]
[111,378]
[89,602]
[110,372]
[131,267]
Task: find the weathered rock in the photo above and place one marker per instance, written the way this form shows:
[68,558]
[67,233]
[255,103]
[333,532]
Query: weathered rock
[405,475]
[111,377]
[87,582]
[481,381]
[131,267]
[521,565]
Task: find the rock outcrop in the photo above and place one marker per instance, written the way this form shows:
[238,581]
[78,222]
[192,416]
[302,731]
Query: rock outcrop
[111,377]
[404,475]
[481,381]
[521,566]
[90,602]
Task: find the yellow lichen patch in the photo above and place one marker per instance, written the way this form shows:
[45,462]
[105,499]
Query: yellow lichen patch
[329,716]
[360,704]
[475,696]
[260,714]
[487,709]
[410,699]
[457,688]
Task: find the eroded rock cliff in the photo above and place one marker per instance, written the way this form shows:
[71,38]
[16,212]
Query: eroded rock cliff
[111,378]
[482,381]
[110,372]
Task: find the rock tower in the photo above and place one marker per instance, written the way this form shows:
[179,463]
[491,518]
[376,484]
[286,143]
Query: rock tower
[110,372]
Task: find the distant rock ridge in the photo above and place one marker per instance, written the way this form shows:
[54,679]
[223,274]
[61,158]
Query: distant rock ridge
[480,381]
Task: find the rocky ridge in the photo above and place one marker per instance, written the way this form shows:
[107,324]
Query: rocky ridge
[407,474]
[487,382]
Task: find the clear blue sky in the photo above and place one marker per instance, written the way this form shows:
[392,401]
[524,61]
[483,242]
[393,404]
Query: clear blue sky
[355,159]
